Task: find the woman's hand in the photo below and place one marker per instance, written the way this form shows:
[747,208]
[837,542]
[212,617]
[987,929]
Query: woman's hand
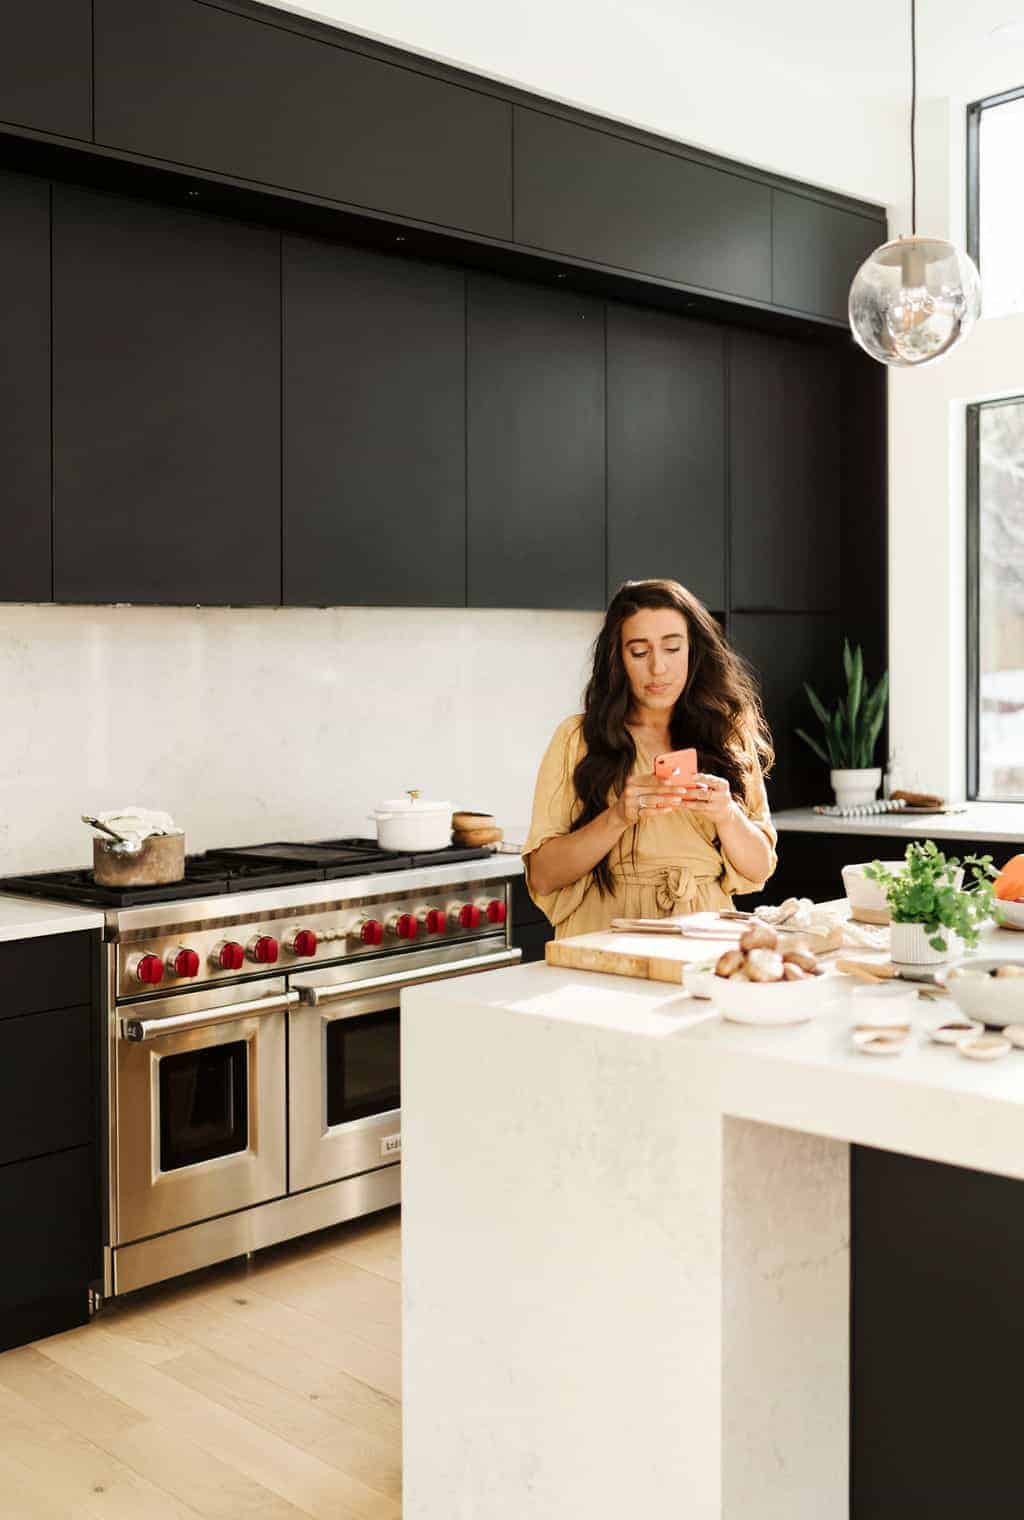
[647,794]
[712,796]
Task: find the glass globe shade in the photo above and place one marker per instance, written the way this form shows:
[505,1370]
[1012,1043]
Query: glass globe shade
[913,300]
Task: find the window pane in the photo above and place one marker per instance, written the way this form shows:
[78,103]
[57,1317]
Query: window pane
[1001,208]
[1001,599]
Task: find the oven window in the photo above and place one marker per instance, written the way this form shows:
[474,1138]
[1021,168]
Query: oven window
[362,1066]
[204,1104]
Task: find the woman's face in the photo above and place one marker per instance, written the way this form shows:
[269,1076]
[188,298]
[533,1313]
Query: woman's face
[656,656]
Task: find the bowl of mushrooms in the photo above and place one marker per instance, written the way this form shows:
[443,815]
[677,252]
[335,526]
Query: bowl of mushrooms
[766,980]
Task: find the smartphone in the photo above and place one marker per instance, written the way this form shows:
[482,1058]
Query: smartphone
[681,765]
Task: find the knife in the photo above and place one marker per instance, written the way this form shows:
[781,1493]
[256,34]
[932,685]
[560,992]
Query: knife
[886,971]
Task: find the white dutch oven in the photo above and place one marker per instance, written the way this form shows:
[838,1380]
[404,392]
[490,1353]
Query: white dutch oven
[412,823]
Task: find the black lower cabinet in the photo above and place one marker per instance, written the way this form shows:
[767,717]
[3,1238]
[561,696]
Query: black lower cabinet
[530,929]
[535,447]
[811,864]
[937,1340]
[50,1150]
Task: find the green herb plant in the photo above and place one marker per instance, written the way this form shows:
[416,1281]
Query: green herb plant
[926,893]
[852,728]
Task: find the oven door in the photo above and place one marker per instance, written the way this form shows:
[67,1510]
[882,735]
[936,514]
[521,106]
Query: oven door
[200,1106]
[344,1094]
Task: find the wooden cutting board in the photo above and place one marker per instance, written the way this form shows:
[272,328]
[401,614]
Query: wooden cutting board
[653,957]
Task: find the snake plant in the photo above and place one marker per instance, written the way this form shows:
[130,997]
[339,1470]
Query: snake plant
[853,726]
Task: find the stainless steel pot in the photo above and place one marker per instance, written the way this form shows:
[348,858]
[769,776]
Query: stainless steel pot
[159,861]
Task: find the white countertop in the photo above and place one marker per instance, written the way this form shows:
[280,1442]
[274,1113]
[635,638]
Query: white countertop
[626,1240]
[29,917]
[998,822]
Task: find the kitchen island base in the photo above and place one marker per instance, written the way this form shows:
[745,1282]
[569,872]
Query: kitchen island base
[627,1249]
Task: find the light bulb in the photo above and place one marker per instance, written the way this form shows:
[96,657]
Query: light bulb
[913,300]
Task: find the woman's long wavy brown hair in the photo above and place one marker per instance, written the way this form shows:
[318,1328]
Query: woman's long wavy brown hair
[718,714]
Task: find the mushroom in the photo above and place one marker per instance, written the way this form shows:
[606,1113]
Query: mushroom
[1007,970]
[804,959]
[728,962]
[791,972]
[759,937]
[764,966]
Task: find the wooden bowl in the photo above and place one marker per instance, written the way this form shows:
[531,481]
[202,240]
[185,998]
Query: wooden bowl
[464,823]
[474,838]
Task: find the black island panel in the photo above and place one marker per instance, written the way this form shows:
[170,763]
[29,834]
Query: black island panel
[166,395]
[257,100]
[666,451]
[535,447]
[374,432]
[25,389]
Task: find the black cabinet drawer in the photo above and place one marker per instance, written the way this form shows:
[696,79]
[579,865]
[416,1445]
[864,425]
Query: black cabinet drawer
[25,387]
[46,1083]
[46,66]
[52,1242]
[531,940]
[535,447]
[166,405]
[595,196]
[375,429]
[184,81]
[816,251]
[666,451]
[524,909]
[784,474]
[51,971]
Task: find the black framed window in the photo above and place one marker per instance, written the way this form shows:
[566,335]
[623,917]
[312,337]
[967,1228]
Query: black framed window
[995,600]
[995,208]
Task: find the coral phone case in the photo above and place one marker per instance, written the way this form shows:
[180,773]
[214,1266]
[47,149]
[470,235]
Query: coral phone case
[681,765]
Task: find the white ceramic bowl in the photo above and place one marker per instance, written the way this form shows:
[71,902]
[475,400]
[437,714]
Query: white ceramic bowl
[995,1000]
[774,1002]
[699,978]
[1013,913]
[867,898]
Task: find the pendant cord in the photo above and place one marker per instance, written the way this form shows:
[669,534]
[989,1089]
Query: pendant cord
[913,118]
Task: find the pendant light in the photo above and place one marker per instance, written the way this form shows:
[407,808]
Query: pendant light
[914,299]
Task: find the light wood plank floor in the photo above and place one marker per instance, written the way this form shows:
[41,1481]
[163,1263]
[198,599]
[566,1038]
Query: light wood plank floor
[262,1390]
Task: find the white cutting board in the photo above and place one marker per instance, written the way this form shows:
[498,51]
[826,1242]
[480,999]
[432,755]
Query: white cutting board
[653,957]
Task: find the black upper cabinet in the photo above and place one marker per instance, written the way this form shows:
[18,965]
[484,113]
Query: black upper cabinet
[535,447]
[374,438]
[46,66]
[25,389]
[816,251]
[784,474]
[184,81]
[786,651]
[666,451]
[594,196]
[166,398]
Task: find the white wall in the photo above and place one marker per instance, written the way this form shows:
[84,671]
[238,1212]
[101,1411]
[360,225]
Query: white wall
[252,725]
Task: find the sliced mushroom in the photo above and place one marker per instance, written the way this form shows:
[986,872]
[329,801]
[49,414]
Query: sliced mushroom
[804,959]
[764,966]
[728,962]
[791,972]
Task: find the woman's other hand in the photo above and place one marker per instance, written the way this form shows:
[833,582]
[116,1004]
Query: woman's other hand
[710,795]
[647,794]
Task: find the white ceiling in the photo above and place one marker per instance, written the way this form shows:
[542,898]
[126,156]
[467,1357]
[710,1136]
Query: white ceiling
[806,87]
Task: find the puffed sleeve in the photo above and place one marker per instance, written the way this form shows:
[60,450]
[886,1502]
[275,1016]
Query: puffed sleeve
[555,805]
[756,807]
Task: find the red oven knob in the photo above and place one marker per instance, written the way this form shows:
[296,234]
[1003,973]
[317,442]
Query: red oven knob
[433,920]
[369,930]
[465,915]
[263,949]
[147,968]
[182,962]
[495,911]
[403,926]
[227,955]
[302,942]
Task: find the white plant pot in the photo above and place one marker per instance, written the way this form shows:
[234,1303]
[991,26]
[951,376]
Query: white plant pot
[908,946]
[856,788]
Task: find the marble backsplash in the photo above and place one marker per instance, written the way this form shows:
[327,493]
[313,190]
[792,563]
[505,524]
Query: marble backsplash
[265,723]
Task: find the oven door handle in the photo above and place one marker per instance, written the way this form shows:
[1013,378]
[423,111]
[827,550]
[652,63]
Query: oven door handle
[332,991]
[177,1023]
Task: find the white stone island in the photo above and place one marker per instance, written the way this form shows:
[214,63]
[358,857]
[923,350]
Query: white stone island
[626,1238]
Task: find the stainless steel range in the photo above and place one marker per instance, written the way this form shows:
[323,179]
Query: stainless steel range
[253,1046]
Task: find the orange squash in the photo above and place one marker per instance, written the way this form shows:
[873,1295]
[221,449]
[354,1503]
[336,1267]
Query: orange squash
[1009,884]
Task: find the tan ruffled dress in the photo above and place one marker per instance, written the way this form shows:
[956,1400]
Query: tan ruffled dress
[680,866]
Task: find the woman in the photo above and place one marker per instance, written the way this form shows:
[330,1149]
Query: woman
[609,839]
